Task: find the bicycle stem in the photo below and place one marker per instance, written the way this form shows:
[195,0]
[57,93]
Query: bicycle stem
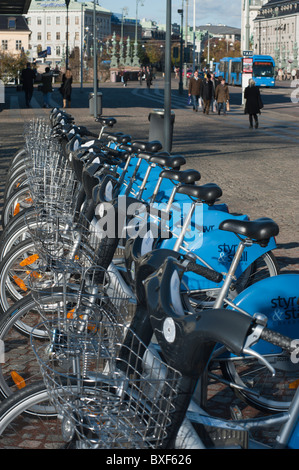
[230,275]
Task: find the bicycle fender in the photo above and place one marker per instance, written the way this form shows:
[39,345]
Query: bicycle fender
[278,298]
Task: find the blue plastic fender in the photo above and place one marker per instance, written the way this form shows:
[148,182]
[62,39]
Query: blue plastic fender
[278,298]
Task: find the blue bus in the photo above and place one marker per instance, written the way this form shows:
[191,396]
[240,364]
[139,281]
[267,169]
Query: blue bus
[263,70]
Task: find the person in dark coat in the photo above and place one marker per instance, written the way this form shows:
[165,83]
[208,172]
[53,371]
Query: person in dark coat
[194,90]
[66,88]
[253,104]
[28,76]
[47,87]
[207,93]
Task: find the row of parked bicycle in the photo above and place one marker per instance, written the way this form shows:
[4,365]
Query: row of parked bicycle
[124,285]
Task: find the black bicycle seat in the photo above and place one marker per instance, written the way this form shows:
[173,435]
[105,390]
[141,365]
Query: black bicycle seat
[206,193]
[106,121]
[186,176]
[170,161]
[143,146]
[261,229]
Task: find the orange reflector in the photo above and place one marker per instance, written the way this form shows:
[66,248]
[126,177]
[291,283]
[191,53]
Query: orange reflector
[18,380]
[70,314]
[20,283]
[29,200]
[29,260]
[34,274]
[294,384]
[17,209]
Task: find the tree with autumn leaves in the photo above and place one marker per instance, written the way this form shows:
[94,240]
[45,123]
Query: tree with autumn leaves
[11,65]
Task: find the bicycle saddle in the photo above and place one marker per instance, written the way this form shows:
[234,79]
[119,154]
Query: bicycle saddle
[260,230]
[171,161]
[118,137]
[141,146]
[186,176]
[206,193]
[106,121]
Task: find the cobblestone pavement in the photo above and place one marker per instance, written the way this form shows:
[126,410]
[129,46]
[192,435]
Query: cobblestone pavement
[257,169]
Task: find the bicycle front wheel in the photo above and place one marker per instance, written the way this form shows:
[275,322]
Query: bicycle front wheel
[20,429]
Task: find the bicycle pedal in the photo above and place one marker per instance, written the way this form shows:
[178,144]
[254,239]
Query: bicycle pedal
[235,412]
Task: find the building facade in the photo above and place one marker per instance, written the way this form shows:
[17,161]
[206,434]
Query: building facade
[250,10]
[14,34]
[50,22]
[277,32]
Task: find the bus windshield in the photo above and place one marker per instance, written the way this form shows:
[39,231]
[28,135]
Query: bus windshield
[263,69]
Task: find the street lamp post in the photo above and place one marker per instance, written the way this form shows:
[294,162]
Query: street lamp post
[95,67]
[135,58]
[181,12]
[167,83]
[67,2]
[121,44]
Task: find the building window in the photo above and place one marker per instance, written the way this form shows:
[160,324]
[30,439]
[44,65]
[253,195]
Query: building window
[48,20]
[11,23]
[58,51]
[39,21]
[39,36]
[77,37]
[49,36]
[57,19]
[76,19]
[4,44]
[57,36]
[18,45]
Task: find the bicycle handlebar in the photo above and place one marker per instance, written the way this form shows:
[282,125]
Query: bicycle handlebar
[278,339]
[208,273]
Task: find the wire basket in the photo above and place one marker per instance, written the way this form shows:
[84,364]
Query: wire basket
[106,391]
[65,294]
[62,241]
[53,188]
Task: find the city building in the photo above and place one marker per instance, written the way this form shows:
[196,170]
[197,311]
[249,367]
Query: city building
[125,27]
[14,34]
[47,20]
[250,10]
[276,32]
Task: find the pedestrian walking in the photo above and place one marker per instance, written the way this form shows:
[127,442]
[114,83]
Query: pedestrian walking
[148,77]
[66,88]
[215,83]
[207,94]
[194,90]
[253,103]
[125,78]
[222,96]
[28,77]
[46,87]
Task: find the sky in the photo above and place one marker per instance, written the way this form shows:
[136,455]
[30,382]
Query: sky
[226,12]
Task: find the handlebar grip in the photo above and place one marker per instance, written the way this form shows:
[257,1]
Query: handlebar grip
[208,273]
[278,339]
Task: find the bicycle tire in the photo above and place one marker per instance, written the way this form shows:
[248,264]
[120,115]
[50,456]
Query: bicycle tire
[17,265]
[19,428]
[16,180]
[16,326]
[19,196]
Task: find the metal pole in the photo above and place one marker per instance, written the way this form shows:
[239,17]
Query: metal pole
[67,2]
[186,44]
[82,39]
[194,35]
[181,12]
[167,83]
[95,71]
